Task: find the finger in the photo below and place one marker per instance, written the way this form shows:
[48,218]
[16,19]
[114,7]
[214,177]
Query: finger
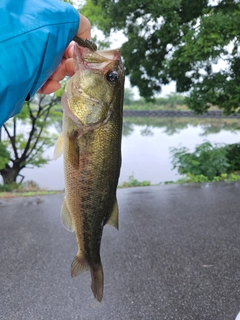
[59,73]
[69,69]
[84,30]
[49,87]
[68,53]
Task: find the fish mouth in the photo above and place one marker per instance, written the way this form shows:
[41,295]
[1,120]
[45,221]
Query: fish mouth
[97,61]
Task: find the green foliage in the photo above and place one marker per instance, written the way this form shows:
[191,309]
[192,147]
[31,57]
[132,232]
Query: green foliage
[206,161]
[177,40]
[38,138]
[128,97]
[172,101]
[13,194]
[27,136]
[233,156]
[8,187]
[95,14]
[132,182]
[174,125]
[191,178]
[4,155]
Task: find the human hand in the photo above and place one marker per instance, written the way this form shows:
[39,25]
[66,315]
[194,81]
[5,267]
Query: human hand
[65,68]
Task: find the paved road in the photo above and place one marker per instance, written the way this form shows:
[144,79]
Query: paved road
[176,256]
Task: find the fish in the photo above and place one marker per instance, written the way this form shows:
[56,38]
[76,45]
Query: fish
[90,142]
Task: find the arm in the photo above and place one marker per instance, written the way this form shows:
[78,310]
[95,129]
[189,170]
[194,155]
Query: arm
[34,36]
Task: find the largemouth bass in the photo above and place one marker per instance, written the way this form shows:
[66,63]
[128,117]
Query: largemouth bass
[91,144]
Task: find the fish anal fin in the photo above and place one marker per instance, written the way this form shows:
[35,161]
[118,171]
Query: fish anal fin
[113,220]
[66,217]
[78,266]
[58,150]
[97,282]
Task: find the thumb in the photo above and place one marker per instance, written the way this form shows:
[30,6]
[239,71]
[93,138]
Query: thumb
[84,30]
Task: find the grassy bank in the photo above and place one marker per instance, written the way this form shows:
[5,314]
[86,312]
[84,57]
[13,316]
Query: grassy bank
[12,194]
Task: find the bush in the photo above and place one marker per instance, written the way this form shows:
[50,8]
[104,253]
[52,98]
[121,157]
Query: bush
[206,161]
[233,156]
[8,187]
[132,182]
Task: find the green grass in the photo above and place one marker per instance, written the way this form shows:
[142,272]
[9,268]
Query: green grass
[151,106]
[154,107]
[26,189]
[224,177]
[132,182]
[8,195]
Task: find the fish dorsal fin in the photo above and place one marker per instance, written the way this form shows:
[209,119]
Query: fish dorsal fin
[58,151]
[66,217]
[113,220]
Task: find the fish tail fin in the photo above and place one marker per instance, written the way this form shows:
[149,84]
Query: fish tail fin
[97,282]
[78,266]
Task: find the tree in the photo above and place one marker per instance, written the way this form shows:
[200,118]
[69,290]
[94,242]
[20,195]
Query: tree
[173,99]
[4,156]
[128,97]
[179,40]
[28,136]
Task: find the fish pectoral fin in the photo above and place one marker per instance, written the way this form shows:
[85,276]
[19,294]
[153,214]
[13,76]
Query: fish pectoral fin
[58,150]
[66,217]
[78,266]
[113,220]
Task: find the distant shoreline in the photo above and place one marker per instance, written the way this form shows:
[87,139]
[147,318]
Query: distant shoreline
[177,113]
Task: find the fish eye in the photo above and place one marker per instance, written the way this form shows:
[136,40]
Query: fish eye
[112,76]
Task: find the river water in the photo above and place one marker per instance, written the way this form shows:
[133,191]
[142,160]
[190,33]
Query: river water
[146,148]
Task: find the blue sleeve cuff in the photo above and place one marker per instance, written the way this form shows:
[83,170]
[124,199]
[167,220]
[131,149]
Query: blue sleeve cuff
[32,48]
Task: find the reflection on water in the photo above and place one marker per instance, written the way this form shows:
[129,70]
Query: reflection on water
[145,148]
[175,125]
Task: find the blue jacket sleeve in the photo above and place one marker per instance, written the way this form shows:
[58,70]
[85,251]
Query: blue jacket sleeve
[34,35]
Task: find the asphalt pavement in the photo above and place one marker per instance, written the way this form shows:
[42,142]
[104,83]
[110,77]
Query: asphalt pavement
[176,256]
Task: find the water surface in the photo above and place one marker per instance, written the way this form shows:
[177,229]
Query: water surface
[145,148]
